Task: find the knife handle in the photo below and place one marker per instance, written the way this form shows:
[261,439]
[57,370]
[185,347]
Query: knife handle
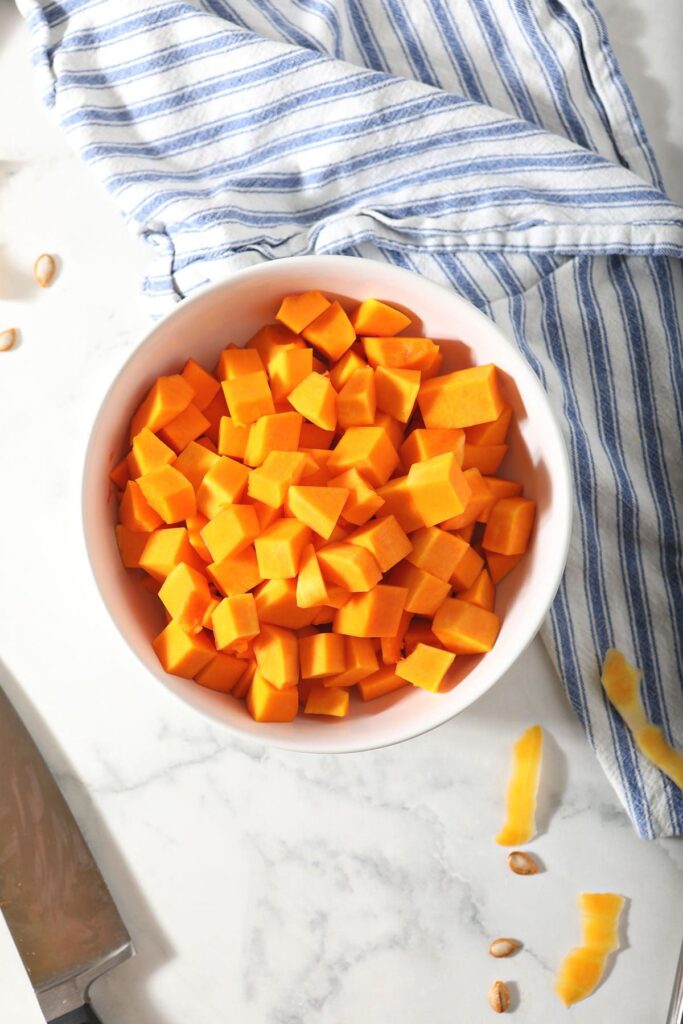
[83,1015]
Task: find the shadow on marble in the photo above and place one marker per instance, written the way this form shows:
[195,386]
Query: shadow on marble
[153,949]
[16,282]
[555,776]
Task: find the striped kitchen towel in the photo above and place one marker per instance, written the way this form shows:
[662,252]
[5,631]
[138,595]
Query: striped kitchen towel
[492,147]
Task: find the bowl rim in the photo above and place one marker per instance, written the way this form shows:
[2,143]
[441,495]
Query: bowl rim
[562,483]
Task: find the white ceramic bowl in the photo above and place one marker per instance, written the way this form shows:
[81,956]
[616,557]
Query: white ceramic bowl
[232,311]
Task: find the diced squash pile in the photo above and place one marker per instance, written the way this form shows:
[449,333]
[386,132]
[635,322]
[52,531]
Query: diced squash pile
[322,516]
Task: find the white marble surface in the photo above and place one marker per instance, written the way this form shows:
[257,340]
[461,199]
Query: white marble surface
[273,888]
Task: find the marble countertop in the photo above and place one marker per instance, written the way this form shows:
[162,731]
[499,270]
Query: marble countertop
[264,887]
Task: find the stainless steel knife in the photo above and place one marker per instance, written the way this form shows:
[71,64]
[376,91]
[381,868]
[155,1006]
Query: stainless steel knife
[57,906]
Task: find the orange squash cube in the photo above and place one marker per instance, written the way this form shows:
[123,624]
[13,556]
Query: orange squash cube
[131,544]
[203,383]
[248,397]
[277,655]
[498,488]
[270,482]
[380,683]
[425,667]
[264,513]
[235,621]
[493,432]
[187,426]
[287,367]
[349,566]
[315,437]
[169,493]
[185,596]
[484,457]
[120,474]
[462,398]
[438,488]
[367,449]
[223,484]
[221,674]
[279,548]
[360,659]
[467,569]
[134,511]
[165,400]
[392,427]
[331,332]
[195,462]
[195,524]
[276,604]
[327,700]
[316,400]
[164,549]
[148,453]
[509,526]
[278,432]
[270,338]
[266,703]
[375,613]
[182,654]
[236,574]
[322,654]
[425,592]
[377,318]
[214,412]
[362,501]
[500,565]
[298,311]
[317,507]
[397,391]
[479,499]
[399,501]
[311,591]
[237,362]
[391,647]
[385,540]
[419,632]
[232,440]
[342,371]
[436,551]
[482,592]
[241,688]
[465,628]
[231,530]
[424,444]
[400,353]
[357,401]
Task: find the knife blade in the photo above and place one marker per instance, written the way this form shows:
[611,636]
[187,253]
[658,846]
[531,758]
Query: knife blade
[62,917]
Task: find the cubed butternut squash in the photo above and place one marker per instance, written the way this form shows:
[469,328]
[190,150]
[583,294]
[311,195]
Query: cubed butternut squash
[224,482]
[397,391]
[266,703]
[234,621]
[237,362]
[462,398]
[422,444]
[322,654]
[236,574]
[221,673]
[279,548]
[195,462]
[287,367]
[357,401]
[298,311]
[349,566]
[367,449]
[231,530]
[165,400]
[380,683]
[425,667]
[376,318]
[438,488]
[280,431]
[148,452]
[169,493]
[204,384]
[186,597]
[187,426]
[464,628]
[277,655]
[164,549]
[509,526]
[316,400]
[331,332]
[317,507]
[425,592]
[248,397]
[135,513]
[386,541]
[376,613]
[181,653]
[400,353]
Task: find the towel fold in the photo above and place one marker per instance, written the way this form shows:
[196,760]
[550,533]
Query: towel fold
[495,149]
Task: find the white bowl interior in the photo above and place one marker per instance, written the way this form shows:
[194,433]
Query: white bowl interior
[232,311]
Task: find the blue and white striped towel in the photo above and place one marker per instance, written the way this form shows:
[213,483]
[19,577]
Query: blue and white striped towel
[491,147]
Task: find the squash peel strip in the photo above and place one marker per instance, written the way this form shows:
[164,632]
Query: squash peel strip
[621,682]
[582,969]
[520,818]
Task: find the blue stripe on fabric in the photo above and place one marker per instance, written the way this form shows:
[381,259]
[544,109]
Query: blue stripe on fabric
[190,95]
[554,75]
[510,75]
[447,27]
[627,513]
[411,44]
[130,27]
[161,61]
[328,16]
[365,37]
[194,138]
